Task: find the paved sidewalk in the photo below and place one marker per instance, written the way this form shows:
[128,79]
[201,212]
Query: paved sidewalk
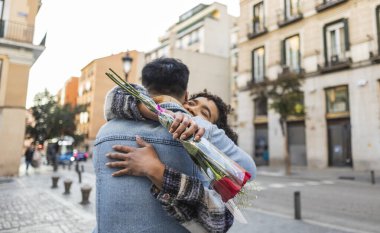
[29,204]
[322,174]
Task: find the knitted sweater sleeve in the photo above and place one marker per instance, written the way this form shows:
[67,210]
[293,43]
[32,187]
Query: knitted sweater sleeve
[190,203]
[120,104]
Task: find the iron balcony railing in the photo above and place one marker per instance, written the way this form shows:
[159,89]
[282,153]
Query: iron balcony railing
[16,31]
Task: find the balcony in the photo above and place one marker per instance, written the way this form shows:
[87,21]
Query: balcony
[284,20]
[16,31]
[288,72]
[322,5]
[256,29]
[336,63]
[375,57]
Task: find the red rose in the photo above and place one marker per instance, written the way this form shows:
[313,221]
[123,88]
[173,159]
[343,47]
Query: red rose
[247,176]
[226,188]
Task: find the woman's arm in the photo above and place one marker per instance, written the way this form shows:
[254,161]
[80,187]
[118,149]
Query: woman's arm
[183,197]
[186,199]
[119,104]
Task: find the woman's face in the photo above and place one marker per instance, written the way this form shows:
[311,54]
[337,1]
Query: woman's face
[204,108]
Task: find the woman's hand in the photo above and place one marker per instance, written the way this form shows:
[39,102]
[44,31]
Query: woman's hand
[134,161]
[184,127]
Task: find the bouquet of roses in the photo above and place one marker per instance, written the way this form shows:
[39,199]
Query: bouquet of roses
[227,178]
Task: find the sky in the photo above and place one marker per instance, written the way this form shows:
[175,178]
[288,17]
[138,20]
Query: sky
[79,31]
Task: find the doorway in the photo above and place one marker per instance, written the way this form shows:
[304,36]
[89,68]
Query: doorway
[261,144]
[339,140]
[297,143]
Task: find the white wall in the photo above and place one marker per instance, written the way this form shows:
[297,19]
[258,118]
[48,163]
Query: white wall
[207,72]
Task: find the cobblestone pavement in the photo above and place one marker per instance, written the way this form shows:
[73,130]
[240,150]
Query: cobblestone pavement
[29,204]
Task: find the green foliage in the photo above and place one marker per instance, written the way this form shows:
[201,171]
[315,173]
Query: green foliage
[51,119]
[285,95]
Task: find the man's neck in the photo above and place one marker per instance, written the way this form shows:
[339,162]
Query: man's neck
[165,98]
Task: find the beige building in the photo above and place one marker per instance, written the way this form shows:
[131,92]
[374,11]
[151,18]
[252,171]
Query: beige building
[17,55]
[201,39]
[93,86]
[336,44]
[69,93]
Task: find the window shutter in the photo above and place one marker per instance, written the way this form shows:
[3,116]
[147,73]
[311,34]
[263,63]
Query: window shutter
[283,55]
[252,66]
[346,34]
[325,44]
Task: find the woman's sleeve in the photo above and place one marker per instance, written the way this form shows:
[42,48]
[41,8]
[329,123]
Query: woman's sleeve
[120,104]
[187,200]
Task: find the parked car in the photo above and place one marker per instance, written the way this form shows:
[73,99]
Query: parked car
[66,158]
[80,156]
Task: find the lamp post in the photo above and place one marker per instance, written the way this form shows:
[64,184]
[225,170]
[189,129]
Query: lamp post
[127,64]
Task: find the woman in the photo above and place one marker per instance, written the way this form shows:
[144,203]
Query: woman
[193,202]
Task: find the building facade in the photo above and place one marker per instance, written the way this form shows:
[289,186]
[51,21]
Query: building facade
[335,45]
[201,39]
[69,93]
[93,87]
[17,55]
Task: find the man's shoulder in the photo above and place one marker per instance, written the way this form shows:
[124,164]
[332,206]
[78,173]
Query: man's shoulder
[119,129]
[117,126]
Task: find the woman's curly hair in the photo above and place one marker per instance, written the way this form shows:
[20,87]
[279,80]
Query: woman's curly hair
[223,109]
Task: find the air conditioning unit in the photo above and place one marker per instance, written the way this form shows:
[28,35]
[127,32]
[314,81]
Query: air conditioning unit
[334,59]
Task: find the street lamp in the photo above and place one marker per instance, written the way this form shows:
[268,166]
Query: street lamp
[127,64]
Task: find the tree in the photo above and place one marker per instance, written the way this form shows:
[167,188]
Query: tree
[51,119]
[42,112]
[287,100]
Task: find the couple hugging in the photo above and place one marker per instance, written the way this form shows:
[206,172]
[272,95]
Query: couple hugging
[145,181]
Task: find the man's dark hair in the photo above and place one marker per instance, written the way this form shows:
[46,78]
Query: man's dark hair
[167,76]
[223,109]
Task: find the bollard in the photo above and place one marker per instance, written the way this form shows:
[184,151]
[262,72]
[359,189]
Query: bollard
[76,166]
[82,168]
[86,189]
[297,205]
[55,182]
[67,184]
[79,177]
[373,177]
[78,171]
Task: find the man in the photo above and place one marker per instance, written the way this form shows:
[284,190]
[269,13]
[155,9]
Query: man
[125,204]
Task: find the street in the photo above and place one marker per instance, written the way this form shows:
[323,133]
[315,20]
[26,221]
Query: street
[29,204]
[347,204]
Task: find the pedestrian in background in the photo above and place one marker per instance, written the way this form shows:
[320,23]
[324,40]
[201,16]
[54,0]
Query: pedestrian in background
[29,156]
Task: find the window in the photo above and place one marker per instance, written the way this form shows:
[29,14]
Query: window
[185,41]
[291,53]
[336,42]
[261,107]
[234,40]
[291,9]
[1,9]
[258,64]
[337,99]
[235,61]
[327,4]
[195,36]
[258,18]
[178,43]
